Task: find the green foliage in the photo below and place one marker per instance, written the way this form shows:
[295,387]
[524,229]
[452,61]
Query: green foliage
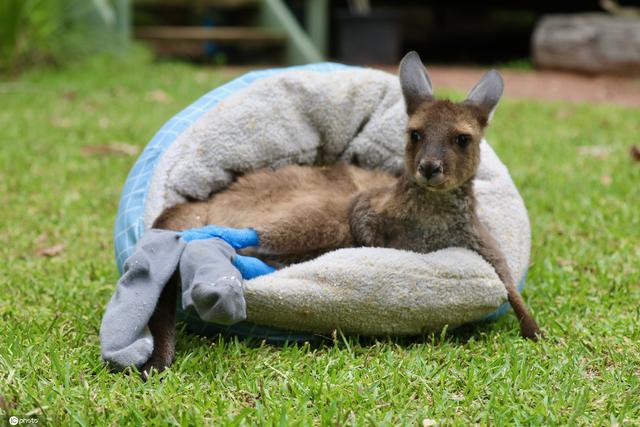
[55,31]
[570,162]
[516,64]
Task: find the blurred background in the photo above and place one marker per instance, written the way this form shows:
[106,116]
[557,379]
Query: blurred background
[269,32]
[587,40]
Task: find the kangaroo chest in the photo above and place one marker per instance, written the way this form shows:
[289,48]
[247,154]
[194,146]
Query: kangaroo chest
[429,233]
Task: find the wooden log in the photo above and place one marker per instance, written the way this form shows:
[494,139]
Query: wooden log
[592,43]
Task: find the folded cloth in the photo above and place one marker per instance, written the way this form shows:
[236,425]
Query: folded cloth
[211,285]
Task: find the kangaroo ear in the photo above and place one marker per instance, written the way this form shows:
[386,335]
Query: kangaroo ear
[487,92]
[414,81]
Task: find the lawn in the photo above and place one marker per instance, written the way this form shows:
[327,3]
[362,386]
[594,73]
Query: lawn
[59,196]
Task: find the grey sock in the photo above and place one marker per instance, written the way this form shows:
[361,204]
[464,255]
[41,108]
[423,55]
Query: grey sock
[125,339]
[210,282]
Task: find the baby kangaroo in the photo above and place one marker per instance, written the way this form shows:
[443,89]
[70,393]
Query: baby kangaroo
[300,212]
[432,205]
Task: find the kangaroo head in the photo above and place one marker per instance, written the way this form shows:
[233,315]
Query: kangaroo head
[443,137]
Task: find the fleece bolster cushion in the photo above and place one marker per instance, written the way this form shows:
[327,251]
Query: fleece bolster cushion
[321,114]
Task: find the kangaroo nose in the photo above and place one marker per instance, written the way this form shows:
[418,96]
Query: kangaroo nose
[429,169]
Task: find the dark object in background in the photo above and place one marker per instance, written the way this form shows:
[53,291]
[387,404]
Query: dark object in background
[372,38]
[589,43]
[634,151]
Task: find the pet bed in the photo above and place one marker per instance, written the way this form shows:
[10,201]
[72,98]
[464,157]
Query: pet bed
[321,114]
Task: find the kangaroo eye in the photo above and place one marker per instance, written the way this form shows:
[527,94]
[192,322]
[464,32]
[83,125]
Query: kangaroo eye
[463,140]
[415,136]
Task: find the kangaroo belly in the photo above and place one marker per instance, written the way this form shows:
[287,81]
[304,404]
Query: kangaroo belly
[298,211]
[265,196]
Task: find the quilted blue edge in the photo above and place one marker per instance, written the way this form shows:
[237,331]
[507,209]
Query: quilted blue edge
[129,224]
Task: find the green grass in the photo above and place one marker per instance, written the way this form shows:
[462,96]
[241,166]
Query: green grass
[584,283]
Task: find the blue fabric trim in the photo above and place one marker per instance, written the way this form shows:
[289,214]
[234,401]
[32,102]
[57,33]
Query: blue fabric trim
[129,224]
[238,238]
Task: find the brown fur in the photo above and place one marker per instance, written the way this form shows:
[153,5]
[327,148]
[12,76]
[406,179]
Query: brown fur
[300,212]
